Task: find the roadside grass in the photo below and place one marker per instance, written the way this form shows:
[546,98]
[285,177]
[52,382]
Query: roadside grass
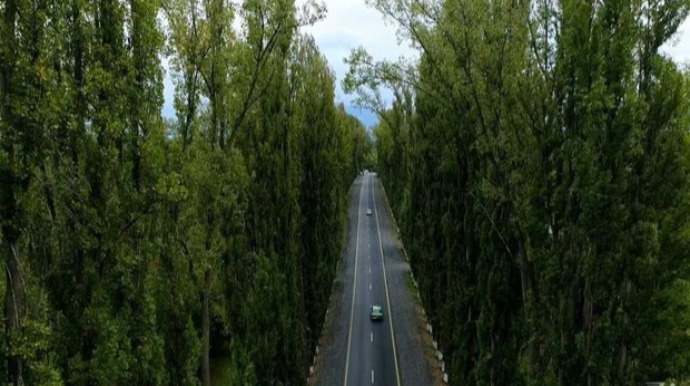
[411,287]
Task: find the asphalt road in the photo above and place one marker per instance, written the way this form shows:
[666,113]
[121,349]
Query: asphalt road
[371,357]
[350,339]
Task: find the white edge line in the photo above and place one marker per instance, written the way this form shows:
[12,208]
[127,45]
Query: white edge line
[388,300]
[354,286]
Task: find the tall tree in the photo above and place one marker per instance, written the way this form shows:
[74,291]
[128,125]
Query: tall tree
[531,210]
[136,250]
[27,87]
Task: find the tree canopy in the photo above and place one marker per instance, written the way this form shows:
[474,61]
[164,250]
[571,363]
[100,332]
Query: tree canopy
[537,158]
[134,248]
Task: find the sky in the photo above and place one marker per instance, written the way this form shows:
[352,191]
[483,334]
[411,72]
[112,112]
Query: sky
[679,47]
[351,23]
[348,24]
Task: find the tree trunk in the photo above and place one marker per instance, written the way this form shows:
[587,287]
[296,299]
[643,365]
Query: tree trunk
[530,302]
[206,332]
[10,248]
[13,305]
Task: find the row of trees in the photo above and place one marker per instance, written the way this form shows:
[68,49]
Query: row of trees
[134,249]
[537,157]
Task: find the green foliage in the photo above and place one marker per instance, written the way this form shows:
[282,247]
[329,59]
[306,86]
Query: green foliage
[537,158]
[136,249]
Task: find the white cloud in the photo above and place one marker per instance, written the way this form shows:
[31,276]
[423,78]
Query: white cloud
[348,24]
[679,47]
[168,90]
[352,23]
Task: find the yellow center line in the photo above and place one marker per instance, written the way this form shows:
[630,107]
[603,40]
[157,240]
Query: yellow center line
[388,299]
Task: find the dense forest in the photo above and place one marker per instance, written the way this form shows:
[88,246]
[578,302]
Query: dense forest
[537,159]
[136,248]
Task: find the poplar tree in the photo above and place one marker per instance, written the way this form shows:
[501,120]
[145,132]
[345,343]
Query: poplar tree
[541,185]
[138,250]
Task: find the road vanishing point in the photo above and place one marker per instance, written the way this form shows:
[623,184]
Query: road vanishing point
[371,353]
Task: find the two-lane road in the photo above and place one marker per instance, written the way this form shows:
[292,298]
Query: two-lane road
[355,351]
[371,357]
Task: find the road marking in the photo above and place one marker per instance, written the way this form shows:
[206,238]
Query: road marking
[369,287]
[388,299]
[371,336]
[354,285]
[369,269]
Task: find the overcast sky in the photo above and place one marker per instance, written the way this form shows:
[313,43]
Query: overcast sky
[351,23]
[348,24]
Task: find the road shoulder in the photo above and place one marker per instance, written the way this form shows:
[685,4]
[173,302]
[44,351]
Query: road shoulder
[329,361]
[419,364]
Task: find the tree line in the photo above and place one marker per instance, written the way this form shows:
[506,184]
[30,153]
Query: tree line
[537,157]
[136,248]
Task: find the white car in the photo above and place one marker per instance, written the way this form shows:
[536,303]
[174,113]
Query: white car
[369,212]
[376,313]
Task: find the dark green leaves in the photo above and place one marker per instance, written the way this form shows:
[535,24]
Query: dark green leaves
[543,200]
